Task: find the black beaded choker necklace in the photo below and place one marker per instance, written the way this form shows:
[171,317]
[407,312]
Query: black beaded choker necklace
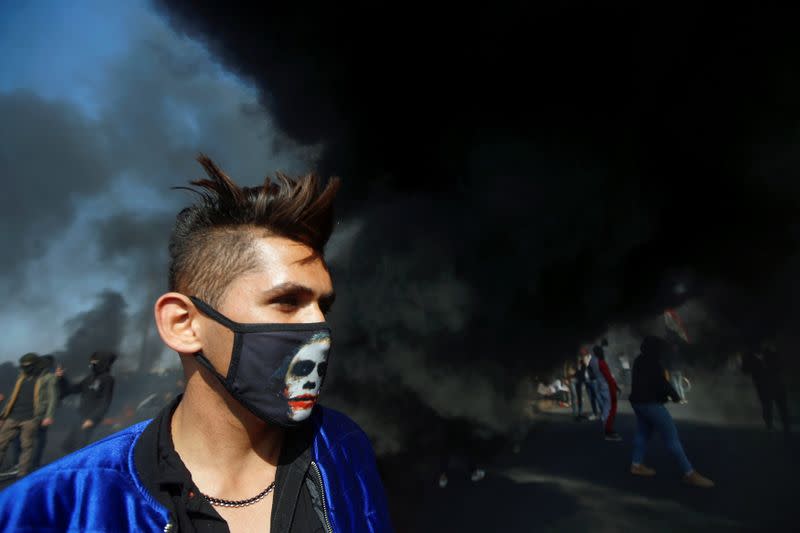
[219,502]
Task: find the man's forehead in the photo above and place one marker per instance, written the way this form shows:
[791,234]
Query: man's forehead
[280,251]
[284,262]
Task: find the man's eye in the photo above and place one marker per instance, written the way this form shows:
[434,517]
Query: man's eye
[286,302]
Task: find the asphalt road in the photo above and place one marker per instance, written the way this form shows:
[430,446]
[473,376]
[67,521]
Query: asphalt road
[566,478]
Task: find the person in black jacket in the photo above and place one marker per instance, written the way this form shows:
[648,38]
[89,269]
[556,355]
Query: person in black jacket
[650,389]
[765,369]
[96,391]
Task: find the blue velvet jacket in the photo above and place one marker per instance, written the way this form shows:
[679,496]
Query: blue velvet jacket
[98,489]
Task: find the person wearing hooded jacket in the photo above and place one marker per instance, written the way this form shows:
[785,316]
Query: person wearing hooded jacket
[44,368]
[650,390]
[96,391]
[30,406]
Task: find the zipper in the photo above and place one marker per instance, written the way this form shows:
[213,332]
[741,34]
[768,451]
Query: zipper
[318,475]
[170,526]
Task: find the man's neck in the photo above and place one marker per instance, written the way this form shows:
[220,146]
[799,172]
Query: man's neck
[227,449]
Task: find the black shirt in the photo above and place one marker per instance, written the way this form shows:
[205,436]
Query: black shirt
[96,391]
[23,406]
[648,382]
[296,507]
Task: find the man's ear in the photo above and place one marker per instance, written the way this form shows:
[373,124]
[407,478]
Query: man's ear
[176,318]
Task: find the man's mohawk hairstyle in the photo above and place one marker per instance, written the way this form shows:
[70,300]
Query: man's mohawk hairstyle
[208,248]
[299,209]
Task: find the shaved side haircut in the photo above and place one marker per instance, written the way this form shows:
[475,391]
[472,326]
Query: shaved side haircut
[212,242]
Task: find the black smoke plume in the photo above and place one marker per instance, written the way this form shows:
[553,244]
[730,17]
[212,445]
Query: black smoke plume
[100,328]
[525,176]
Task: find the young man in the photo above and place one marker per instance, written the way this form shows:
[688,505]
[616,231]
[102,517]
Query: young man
[30,406]
[244,448]
[650,390]
[96,390]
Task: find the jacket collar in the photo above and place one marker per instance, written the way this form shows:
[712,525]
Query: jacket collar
[164,476]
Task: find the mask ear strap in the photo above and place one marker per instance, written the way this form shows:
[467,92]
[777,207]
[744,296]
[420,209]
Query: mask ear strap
[203,360]
[215,315]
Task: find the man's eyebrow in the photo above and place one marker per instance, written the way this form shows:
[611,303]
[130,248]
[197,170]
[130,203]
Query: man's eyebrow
[285,288]
[290,287]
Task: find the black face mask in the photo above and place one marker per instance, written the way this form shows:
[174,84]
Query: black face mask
[276,370]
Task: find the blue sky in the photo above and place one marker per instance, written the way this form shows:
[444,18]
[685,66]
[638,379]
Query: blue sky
[105,108]
[59,49]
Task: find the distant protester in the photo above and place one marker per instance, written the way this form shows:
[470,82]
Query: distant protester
[764,367]
[609,411]
[586,377]
[571,379]
[598,388]
[96,391]
[47,366]
[29,407]
[649,391]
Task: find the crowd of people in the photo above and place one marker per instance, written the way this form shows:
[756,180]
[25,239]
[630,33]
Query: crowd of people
[38,395]
[590,373]
[30,409]
[655,378]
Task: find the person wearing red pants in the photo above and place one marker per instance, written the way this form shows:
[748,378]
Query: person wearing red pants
[613,390]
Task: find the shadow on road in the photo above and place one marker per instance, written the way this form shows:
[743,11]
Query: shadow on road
[567,478]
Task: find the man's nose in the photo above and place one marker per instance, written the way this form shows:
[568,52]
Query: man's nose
[312,313]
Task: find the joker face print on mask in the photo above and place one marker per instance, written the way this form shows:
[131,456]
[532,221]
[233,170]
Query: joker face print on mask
[305,375]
